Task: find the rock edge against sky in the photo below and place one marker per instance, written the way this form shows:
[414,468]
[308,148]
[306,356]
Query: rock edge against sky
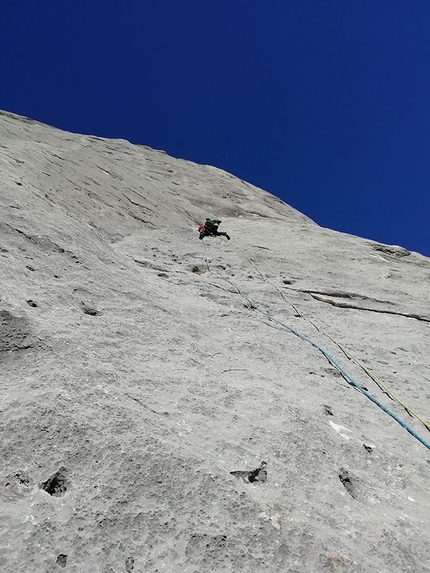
[147,375]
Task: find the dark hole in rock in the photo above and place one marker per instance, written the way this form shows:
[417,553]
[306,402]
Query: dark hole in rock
[62,560]
[197,270]
[328,410]
[346,480]
[260,474]
[368,448]
[19,478]
[31,303]
[257,475]
[30,268]
[90,310]
[288,282]
[57,484]
[18,183]
[129,564]
[163,275]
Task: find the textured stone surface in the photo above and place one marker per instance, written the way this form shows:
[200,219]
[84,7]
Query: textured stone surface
[143,383]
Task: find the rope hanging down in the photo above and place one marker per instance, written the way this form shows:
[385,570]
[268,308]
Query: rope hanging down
[347,353]
[328,356]
[334,363]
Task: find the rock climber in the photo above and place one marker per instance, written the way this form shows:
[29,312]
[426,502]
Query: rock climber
[210,229]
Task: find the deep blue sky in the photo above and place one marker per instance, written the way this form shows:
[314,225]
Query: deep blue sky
[325,103]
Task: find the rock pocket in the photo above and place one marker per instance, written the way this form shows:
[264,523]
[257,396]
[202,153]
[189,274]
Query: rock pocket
[57,484]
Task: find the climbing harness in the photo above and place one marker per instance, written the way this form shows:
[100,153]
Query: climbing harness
[327,355]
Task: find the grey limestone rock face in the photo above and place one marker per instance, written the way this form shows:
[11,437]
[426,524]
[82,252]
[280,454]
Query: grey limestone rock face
[146,373]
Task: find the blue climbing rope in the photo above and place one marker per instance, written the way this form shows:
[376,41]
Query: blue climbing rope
[332,361]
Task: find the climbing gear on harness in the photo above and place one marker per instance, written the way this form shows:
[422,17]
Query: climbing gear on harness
[210,229]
